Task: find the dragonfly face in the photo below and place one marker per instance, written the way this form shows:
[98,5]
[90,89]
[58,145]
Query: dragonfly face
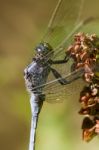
[44,51]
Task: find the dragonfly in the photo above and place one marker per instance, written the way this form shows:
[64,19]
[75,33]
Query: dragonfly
[49,73]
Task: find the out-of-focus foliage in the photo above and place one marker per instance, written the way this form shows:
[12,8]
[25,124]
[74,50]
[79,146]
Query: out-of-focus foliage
[22,23]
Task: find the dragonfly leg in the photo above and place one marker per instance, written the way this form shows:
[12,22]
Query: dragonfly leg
[58,76]
[69,79]
[65,60]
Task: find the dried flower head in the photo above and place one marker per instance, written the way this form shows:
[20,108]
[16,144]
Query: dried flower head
[85,53]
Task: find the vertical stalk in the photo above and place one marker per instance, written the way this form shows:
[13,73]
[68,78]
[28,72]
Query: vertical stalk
[36,105]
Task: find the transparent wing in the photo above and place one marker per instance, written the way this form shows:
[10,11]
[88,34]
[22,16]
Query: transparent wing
[55,92]
[61,93]
[68,17]
[65,18]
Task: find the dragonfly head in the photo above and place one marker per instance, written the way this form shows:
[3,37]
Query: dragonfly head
[44,50]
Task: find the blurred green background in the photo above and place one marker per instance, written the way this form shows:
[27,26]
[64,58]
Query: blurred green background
[22,23]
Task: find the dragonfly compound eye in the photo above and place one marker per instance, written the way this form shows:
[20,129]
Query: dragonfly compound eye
[44,49]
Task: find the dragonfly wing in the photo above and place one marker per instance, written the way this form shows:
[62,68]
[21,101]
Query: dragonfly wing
[58,93]
[65,17]
[55,92]
[69,17]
